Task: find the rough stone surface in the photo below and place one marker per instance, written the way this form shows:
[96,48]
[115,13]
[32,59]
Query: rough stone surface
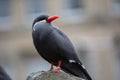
[52,76]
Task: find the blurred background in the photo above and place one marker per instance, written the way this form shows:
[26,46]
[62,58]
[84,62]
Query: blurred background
[92,25]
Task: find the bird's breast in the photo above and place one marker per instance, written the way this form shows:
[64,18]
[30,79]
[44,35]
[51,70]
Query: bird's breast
[44,48]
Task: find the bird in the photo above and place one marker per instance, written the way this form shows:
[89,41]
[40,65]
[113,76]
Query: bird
[3,74]
[56,48]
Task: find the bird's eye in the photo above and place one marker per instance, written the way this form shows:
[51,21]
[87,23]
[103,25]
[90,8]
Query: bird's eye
[43,21]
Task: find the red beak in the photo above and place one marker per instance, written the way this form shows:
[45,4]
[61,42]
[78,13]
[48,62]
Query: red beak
[51,18]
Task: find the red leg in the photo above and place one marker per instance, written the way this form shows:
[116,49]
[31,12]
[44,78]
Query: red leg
[58,67]
[59,63]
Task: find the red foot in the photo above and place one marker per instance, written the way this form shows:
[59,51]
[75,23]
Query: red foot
[56,70]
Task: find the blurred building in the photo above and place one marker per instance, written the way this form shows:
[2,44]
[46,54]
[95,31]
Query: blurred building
[92,26]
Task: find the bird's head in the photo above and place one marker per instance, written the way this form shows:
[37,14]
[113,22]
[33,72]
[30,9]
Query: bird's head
[45,18]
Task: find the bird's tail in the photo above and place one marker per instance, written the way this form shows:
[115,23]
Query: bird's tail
[77,70]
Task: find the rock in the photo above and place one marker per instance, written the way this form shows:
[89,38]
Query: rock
[49,75]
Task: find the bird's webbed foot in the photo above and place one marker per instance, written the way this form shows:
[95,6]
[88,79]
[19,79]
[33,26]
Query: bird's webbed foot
[57,69]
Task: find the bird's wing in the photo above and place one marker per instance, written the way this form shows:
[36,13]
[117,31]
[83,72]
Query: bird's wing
[60,44]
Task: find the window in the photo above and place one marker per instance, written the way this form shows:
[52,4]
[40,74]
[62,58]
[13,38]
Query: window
[4,14]
[74,4]
[4,9]
[115,8]
[73,10]
[117,1]
[34,8]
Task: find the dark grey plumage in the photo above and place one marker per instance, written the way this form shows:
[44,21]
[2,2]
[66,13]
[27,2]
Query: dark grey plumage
[53,45]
